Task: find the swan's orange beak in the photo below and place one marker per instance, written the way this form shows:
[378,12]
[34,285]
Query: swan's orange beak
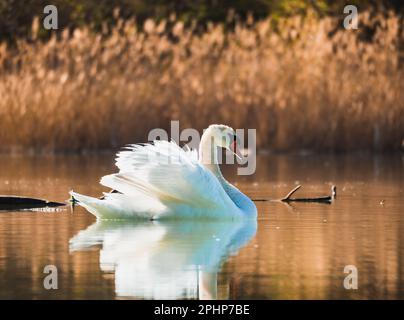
[234,148]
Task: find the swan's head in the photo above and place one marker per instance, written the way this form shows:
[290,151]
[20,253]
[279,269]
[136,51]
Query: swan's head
[225,137]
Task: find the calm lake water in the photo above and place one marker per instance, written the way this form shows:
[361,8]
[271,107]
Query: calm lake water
[295,251]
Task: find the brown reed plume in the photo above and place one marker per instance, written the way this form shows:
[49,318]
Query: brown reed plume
[298,86]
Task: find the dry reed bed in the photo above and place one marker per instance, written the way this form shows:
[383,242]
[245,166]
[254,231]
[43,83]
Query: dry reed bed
[297,86]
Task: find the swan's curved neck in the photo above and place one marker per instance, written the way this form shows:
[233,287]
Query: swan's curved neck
[208,155]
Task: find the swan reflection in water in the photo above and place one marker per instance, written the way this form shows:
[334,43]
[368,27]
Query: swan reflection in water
[165,259]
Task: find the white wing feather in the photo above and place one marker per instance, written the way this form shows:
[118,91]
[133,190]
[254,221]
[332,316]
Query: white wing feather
[166,171]
[156,180]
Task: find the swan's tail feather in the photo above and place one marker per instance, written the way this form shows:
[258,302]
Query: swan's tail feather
[93,205]
[119,206]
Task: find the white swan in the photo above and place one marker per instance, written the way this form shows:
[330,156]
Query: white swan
[161,180]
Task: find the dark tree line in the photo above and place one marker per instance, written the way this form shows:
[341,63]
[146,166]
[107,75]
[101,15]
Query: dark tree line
[16,16]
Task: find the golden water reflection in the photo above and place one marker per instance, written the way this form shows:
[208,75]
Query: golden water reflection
[165,260]
[297,252]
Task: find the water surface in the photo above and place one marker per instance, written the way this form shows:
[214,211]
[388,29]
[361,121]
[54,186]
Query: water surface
[295,251]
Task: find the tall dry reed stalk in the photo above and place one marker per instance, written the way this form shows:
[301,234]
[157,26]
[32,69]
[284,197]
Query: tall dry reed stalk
[299,87]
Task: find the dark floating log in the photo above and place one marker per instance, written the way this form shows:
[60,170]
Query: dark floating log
[20,203]
[287,198]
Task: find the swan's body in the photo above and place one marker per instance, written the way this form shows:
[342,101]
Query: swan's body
[162,180]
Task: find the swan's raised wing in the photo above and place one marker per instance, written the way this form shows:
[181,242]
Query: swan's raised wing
[168,173]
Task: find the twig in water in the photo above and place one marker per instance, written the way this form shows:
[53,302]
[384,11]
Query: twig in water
[326,199]
[287,198]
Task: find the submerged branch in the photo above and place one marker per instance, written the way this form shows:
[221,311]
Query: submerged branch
[324,199]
